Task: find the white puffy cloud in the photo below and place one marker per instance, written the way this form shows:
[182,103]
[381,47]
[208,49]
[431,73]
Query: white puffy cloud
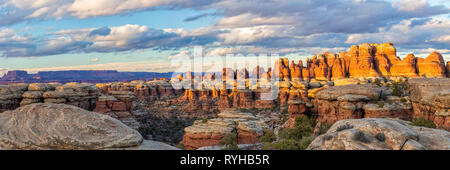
[434,33]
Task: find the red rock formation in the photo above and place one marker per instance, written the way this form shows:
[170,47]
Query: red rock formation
[284,72]
[295,108]
[338,69]
[432,66]
[362,61]
[388,50]
[448,69]
[296,70]
[405,67]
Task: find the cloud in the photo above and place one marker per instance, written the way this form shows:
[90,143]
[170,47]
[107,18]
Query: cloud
[420,8]
[433,34]
[94,60]
[281,26]
[193,18]
[21,10]
[113,39]
[104,31]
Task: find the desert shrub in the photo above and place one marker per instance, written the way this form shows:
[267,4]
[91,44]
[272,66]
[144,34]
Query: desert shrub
[380,136]
[229,142]
[360,137]
[204,120]
[380,104]
[304,143]
[285,111]
[303,126]
[403,100]
[344,127]
[423,122]
[296,138]
[389,102]
[377,82]
[398,88]
[181,146]
[284,144]
[373,98]
[268,137]
[275,108]
[323,128]
[328,137]
[288,144]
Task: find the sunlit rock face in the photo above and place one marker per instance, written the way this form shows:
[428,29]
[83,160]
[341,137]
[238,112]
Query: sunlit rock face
[432,66]
[380,134]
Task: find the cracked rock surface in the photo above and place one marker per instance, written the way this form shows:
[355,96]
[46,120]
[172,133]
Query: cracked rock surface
[380,134]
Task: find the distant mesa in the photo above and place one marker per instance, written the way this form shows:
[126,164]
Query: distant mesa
[88,76]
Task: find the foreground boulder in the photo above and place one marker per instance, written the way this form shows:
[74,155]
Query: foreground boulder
[380,134]
[60,126]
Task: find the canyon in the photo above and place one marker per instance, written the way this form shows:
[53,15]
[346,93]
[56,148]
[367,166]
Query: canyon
[369,81]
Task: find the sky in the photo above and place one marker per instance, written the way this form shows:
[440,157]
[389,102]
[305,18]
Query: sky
[144,35]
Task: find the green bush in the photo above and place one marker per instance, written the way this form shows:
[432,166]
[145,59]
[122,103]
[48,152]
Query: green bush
[268,137]
[373,98]
[304,143]
[296,138]
[403,100]
[204,120]
[361,137]
[303,126]
[328,137]
[380,104]
[398,88]
[344,127]
[229,142]
[323,128]
[423,122]
[284,111]
[289,144]
[181,146]
[377,82]
[380,136]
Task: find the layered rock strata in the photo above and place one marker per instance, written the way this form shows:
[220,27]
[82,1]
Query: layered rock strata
[431,100]
[247,127]
[119,105]
[149,90]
